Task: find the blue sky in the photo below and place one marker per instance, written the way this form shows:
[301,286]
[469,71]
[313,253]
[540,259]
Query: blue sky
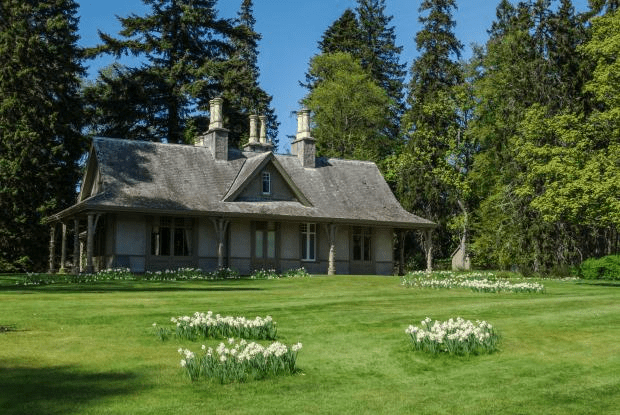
[291,30]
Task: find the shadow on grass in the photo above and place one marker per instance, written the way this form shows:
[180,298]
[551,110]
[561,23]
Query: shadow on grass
[58,390]
[615,284]
[103,288]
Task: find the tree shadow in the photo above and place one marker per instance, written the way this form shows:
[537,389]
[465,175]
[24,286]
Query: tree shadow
[615,284]
[58,389]
[104,288]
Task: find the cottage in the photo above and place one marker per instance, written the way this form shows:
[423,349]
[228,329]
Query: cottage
[150,206]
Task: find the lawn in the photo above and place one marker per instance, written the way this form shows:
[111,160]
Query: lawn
[90,349]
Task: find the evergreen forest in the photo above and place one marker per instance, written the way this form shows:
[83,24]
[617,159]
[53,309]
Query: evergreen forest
[514,152]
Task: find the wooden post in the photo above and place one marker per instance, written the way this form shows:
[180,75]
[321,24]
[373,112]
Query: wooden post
[220,226]
[428,242]
[76,246]
[63,249]
[52,247]
[331,238]
[90,243]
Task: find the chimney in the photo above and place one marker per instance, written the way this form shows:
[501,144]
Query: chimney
[304,146]
[258,143]
[253,125]
[216,138]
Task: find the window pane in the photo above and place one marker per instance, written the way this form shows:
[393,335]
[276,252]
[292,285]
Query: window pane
[266,182]
[357,247]
[180,246]
[367,247]
[304,246]
[258,252]
[312,246]
[271,244]
[164,241]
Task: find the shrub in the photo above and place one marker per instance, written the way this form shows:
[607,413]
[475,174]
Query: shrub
[605,268]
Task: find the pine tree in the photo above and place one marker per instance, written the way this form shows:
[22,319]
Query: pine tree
[381,57]
[431,164]
[191,56]
[40,124]
[242,92]
[344,35]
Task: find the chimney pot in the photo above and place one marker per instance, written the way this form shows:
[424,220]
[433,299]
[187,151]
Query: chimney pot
[253,125]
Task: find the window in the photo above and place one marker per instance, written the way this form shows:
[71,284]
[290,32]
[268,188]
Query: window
[265,240]
[308,241]
[266,183]
[171,236]
[361,244]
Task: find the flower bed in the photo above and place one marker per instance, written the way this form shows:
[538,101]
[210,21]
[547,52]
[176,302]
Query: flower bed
[241,362]
[271,274]
[477,281]
[207,325]
[455,337]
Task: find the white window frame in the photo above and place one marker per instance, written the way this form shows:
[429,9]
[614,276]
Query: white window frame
[266,181]
[308,234]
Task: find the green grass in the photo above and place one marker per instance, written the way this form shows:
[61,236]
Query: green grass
[89,349]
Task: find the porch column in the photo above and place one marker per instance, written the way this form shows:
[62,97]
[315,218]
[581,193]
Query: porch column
[220,226]
[331,238]
[52,247]
[76,246]
[63,249]
[401,248]
[90,243]
[428,247]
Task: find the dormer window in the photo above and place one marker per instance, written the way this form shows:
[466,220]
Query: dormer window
[266,183]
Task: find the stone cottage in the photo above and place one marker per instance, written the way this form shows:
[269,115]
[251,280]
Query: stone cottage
[150,206]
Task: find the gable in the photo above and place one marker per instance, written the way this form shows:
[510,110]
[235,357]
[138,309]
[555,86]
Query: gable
[248,186]
[92,182]
[278,188]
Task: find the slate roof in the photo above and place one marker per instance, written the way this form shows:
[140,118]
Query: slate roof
[160,178]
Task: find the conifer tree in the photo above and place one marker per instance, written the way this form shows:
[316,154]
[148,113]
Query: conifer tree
[190,56]
[240,84]
[40,124]
[381,57]
[430,166]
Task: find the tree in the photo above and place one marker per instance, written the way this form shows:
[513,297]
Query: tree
[344,35]
[40,123]
[381,57]
[242,92]
[434,159]
[190,56]
[532,121]
[349,109]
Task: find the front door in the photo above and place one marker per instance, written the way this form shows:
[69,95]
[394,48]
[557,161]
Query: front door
[265,246]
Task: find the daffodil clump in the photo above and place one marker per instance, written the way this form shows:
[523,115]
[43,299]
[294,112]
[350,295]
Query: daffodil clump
[476,281]
[455,337]
[207,325]
[190,274]
[240,362]
[272,274]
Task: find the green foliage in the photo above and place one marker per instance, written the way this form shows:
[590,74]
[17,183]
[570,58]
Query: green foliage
[349,109]
[605,268]
[191,57]
[429,174]
[366,35]
[40,124]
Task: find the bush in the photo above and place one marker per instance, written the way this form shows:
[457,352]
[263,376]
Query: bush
[605,268]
